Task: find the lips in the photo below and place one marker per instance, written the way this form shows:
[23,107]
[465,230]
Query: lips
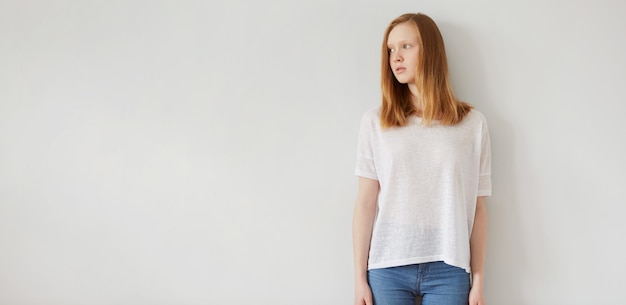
[400,69]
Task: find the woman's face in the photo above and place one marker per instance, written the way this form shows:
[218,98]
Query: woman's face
[403,49]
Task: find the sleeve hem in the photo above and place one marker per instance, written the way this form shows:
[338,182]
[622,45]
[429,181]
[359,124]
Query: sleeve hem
[366,175]
[485,193]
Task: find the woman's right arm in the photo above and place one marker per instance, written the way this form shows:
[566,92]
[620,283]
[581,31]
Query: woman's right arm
[362,224]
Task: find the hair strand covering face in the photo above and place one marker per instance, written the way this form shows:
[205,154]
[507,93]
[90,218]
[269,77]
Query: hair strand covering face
[437,98]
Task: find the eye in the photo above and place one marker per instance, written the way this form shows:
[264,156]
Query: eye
[406,46]
[391,50]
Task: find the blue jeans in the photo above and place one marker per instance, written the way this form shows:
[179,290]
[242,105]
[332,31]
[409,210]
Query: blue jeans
[436,283]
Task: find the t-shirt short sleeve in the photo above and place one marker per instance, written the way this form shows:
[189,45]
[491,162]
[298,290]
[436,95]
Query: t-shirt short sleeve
[484,179]
[365,165]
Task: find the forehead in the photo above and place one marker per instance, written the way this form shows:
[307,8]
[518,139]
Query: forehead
[402,32]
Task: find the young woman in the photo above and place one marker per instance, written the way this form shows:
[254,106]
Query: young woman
[424,168]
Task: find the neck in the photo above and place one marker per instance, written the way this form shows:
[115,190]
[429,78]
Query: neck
[415,97]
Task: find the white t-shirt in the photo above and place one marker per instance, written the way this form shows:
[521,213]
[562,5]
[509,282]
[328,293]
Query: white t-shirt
[429,179]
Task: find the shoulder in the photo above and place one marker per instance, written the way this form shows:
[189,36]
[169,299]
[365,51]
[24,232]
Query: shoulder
[476,121]
[475,117]
[371,116]
[372,113]
[477,114]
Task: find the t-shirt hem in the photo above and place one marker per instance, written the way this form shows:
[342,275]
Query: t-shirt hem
[418,260]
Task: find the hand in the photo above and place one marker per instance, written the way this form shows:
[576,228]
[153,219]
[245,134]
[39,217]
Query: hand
[363,295]
[476,296]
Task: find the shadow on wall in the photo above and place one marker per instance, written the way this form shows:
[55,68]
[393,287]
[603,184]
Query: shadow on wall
[506,259]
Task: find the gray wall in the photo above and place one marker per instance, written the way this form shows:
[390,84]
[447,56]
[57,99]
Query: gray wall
[197,152]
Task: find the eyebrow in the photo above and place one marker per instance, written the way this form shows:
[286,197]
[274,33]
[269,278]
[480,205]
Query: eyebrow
[401,42]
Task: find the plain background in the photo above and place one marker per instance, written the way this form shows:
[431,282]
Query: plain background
[203,152]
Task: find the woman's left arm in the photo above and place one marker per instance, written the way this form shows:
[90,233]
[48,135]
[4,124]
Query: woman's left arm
[478,245]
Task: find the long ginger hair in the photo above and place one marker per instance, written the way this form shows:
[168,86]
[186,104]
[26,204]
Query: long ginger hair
[435,92]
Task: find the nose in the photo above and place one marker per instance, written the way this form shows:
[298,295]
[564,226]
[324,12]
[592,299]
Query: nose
[397,57]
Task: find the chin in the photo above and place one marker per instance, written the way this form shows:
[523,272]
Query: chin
[404,80]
